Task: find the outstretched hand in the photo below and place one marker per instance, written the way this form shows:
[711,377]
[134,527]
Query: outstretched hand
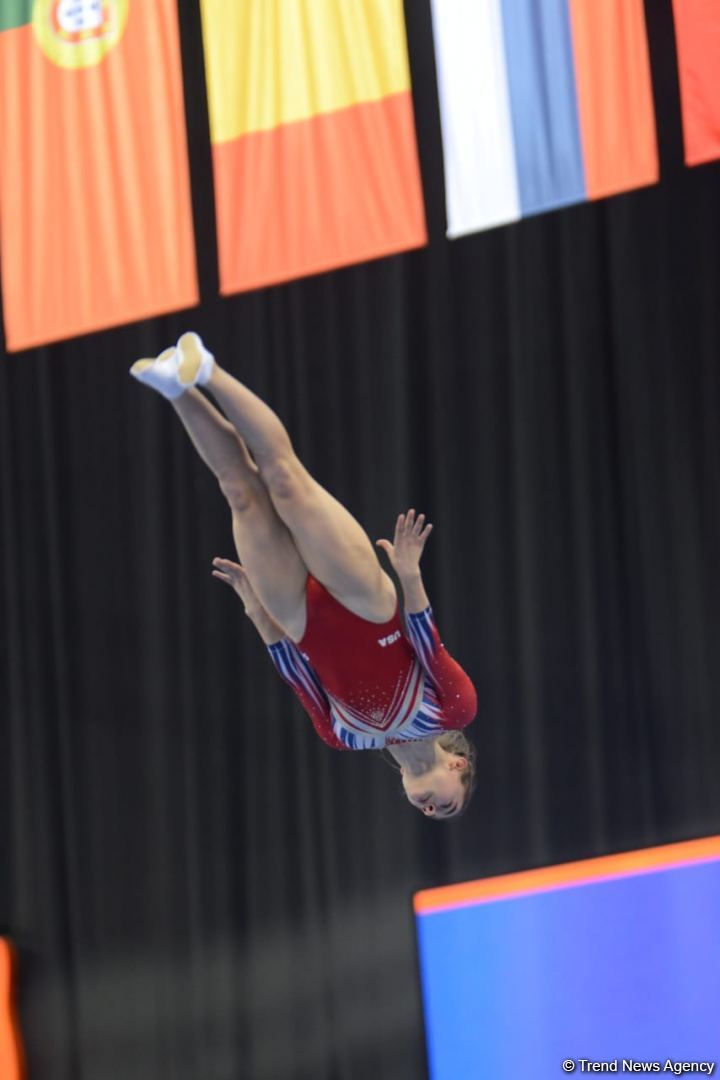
[405,551]
[234,575]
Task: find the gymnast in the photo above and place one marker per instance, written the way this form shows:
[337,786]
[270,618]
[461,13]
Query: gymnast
[312,584]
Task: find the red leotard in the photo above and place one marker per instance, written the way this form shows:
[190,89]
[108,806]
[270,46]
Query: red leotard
[368,684]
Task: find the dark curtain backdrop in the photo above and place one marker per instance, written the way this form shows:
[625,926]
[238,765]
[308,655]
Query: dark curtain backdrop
[201,889]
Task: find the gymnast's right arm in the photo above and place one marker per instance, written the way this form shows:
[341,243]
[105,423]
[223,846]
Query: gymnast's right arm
[234,575]
[297,672]
[289,662]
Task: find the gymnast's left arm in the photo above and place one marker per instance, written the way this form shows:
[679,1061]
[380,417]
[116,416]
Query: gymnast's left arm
[457,694]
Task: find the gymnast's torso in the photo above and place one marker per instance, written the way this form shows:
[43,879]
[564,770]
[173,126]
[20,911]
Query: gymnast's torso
[367,685]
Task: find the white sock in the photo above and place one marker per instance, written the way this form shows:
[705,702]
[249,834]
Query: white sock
[196,363]
[160,374]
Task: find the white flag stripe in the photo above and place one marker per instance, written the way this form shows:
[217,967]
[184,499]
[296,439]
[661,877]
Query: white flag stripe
[481,187]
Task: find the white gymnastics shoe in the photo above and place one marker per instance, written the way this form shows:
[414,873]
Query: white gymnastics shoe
[161,374]
[196,363]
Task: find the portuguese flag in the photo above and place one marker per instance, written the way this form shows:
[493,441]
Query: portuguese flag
[314,153]
[95,215]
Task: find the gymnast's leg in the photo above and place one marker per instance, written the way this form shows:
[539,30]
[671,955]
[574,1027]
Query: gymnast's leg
[264,545]
[331,543]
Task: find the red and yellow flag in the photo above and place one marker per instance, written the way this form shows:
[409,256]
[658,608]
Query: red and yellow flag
[314,152]
[95,214]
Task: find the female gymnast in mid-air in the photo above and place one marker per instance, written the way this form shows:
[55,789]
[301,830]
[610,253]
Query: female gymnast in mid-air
[313,586]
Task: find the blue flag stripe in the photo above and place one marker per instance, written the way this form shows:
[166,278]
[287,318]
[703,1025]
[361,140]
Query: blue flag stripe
[543,104]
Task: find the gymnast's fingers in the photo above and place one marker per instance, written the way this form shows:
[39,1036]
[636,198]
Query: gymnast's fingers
[227,564]
[222,577]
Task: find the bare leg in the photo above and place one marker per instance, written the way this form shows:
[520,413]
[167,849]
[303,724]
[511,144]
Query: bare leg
[332,544]
[264,544]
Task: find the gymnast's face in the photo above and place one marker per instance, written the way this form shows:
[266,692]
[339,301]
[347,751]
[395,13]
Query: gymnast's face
[438,792]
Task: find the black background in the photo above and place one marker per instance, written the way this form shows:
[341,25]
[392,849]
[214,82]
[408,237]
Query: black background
[200,888]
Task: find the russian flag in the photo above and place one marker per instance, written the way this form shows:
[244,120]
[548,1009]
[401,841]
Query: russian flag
[542,105]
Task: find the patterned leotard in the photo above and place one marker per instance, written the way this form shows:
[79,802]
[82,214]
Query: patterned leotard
[367,685]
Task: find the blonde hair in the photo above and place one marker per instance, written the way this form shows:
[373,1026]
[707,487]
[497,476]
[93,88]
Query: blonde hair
[457,742]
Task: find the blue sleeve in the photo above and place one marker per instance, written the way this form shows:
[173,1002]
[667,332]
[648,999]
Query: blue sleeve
[455,691]
[298,673]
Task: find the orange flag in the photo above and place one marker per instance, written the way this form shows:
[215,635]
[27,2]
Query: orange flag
[11,1056]
[95,214]
[314,153]
[697,32]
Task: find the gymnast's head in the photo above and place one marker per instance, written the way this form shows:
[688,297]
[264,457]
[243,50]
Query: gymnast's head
[443,791]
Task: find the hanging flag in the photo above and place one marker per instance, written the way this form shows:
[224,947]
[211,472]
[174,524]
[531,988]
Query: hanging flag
[541,104]
[95,215]
[697,34]
[11,1054]
[314,153]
